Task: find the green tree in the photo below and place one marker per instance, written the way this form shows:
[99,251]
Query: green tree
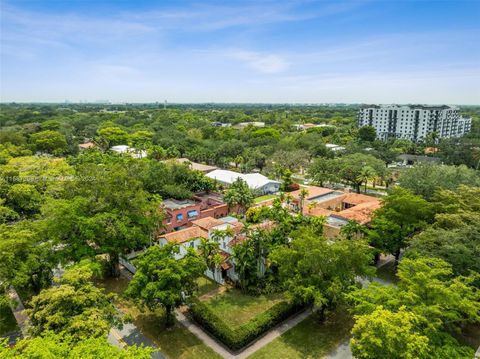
[141,139]
[107,212]
[49,141]
[163,281]
[63,346]
[210,249]
[24,198]
[75,306]
[6,214]
[303,194]
[425,179]
[354,168]
[455,234]
[239,195]
[402,215]
[439,302]
[367,133]
[353,229]
[111,136]
[323,170]
[314,270]
[287,180]
[27,257]
[386,334]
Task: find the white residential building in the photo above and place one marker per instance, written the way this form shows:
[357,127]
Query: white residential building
[204,229]
[256,181]
[413,122]
[130,150]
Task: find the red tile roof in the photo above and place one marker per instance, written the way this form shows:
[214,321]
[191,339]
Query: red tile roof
[207,223]
[361,213]
[185,235]
[356,198]
[87,145]
[317,211]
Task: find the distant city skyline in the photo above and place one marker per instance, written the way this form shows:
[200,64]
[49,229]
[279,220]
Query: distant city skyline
[240,51]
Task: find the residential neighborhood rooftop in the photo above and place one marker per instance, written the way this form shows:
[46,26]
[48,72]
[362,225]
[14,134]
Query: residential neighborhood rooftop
[312,192]
[185,235]
[194,165]
[208,223]
[173,204]
[253,180]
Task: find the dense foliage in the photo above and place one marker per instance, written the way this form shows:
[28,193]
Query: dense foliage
[61,204]
[163,281]
[239,337]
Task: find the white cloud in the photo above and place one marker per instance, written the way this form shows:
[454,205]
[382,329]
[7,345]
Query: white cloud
[265,63]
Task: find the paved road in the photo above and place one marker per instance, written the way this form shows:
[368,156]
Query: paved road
[131,335]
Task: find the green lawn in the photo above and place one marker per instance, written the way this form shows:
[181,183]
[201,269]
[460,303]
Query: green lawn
[176,342]
[237,308]
[206,285]
[265,197]
[309,339]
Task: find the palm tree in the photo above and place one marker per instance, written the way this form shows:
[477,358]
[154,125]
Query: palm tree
[210,248]
[244,257]
[239,194]
[352,229]
[367,173]
[302,196]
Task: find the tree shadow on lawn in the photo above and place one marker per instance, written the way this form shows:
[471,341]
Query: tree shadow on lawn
[311,338]
[176,341]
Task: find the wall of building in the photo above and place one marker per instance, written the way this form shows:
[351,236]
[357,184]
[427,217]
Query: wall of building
[185,221]
[414,122]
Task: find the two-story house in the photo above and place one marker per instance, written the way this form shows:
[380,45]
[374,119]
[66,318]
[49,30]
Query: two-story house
[205,228]
[180,214]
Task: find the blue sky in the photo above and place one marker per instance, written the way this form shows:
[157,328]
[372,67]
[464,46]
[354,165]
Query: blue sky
[241,51]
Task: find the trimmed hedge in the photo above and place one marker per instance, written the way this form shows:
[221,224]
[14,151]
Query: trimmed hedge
[241,336]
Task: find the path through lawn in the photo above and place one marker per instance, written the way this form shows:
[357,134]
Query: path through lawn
[176,342]
[309,339]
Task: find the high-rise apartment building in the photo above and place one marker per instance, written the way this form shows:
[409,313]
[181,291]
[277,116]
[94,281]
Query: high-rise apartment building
[413,122]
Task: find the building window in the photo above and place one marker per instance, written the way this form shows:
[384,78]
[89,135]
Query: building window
[179,217]
[192,214]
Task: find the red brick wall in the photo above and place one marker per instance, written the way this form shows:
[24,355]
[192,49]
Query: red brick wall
[185,222]
[215,212]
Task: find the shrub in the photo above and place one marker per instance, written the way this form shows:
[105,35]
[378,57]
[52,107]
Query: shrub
[237,338]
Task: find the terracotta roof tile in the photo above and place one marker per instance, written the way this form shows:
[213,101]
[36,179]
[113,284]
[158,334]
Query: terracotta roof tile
[361,213]
[316,211]
[207,222]
[87,145]
[185,235]
[356,198]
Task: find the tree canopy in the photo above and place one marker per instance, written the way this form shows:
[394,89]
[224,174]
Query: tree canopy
[430,303]
[163,281]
